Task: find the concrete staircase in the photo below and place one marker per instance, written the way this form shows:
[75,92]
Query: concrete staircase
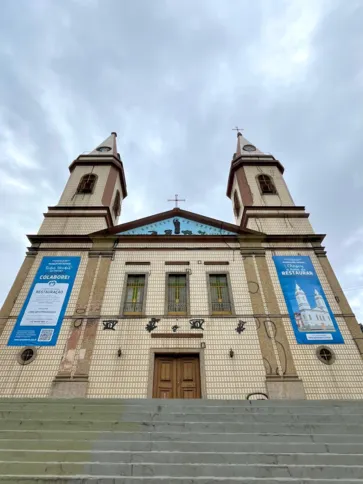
[180,441]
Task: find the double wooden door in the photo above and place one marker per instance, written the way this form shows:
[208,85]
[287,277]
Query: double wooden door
[176,376]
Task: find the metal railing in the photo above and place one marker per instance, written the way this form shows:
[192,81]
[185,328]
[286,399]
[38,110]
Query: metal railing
[224,307]
[174,307]
[133,307]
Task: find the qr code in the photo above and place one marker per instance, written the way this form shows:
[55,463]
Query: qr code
[46,334]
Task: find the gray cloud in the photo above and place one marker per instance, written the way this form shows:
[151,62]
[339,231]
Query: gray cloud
[173,78]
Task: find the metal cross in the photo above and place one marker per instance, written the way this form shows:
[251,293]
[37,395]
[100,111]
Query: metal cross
[239,130]
[176,200]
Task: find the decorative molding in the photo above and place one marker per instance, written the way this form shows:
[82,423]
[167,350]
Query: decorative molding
[216,263]
[177,335]
[177,263]
[137,263]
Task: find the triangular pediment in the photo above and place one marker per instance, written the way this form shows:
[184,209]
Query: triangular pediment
[176,226]
[176,222]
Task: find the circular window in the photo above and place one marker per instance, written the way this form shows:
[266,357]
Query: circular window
[325,355]
[249,148]
[27,355]
[103,149]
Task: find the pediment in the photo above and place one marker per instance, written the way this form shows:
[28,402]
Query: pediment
[176,222]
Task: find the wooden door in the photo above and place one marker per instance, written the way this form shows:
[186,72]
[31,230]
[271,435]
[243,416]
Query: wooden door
[176,376]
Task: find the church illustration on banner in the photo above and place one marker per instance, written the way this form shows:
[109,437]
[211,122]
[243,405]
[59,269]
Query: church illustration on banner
[308,318]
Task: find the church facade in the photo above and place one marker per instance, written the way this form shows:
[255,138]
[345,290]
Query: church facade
[177,304]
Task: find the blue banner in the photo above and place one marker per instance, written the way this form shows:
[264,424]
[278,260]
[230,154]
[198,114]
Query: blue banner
[41,316]
[311,317]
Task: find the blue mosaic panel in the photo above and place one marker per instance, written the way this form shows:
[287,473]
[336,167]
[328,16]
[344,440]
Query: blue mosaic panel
[176,226]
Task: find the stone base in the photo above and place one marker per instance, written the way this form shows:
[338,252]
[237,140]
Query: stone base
[285,388]
[69,387]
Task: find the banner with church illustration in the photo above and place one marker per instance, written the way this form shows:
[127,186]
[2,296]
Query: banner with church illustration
[310,314]
[41,316]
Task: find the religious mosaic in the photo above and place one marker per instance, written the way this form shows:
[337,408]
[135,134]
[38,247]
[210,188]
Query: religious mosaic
[177,226]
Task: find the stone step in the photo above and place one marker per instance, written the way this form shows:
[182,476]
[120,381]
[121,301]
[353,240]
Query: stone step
[180,446]
[110,436]
[154,403]
[121,416]
[98,408]
[187,458]
[67,469]
[169,426]
[176,417]
[167,480]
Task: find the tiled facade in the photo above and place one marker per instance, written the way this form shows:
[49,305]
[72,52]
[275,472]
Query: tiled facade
[264,358]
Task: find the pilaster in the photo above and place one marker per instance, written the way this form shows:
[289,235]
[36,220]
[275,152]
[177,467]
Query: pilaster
[349,318]
[15,289]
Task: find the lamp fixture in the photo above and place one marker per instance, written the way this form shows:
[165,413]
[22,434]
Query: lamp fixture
[231,353]
[119,353]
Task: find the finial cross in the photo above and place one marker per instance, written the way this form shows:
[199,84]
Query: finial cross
[176,200]
[237,129]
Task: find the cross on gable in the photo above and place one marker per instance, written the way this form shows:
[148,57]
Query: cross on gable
[176,200]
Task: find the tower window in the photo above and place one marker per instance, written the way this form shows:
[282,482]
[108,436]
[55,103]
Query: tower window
[87,183]
[116,208]
[103,149]
[236,205]
[267,185]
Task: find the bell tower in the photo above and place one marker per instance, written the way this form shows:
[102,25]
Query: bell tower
[260,197]
[93,195]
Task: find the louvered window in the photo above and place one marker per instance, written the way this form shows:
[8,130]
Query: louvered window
[267,185]
[220,298]
[116,208]
[87,183]
[237,205]
[134,299]
[177,294]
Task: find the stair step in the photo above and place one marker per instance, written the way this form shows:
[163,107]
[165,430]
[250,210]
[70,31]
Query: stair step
[180,446]
[167,479]
[150,417]
[99,408]
[69,469]
[187,458]
[190,426]
[208,437]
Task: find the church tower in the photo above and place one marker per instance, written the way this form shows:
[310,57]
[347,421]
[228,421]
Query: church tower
[260,197]
[92,197]
[301,299]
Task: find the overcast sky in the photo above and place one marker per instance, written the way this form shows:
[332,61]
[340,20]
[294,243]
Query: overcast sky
[173,77]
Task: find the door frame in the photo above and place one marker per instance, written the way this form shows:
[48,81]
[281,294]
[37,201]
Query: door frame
[176,351]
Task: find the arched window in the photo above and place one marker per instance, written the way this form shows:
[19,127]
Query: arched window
[87,183]
[267,185]
[116,207]
[236,204]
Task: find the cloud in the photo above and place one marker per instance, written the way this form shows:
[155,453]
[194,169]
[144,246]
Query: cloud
[173,78]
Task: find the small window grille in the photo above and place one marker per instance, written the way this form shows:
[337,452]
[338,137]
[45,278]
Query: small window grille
[220,299]
[237,205]
[134,295]
[27,355]
[87,183]
[267,185]
[177,294]
[116,208]
[325,355]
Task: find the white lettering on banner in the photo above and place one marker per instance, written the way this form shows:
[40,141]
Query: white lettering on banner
[319,336]
[45,304]
[60,276]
